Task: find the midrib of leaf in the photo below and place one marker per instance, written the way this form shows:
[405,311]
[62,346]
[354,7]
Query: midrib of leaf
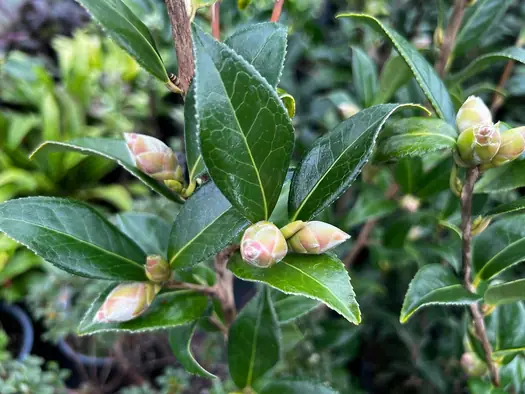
[79,240]
[513,244]
[504,352]
[263,46]
[426,133]
[254,343]
[194,167]
[469,22]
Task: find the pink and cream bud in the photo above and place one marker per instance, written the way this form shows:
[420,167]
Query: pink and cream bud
[153,157]
[263,245]
[157,269]
[126,302]
[316,238]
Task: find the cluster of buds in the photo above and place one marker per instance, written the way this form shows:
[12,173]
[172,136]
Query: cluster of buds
[263,244]
[481,142]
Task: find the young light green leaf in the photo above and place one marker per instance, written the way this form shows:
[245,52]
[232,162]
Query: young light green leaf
[335,161]
[296,387]
[191,137]
[320,277]
[180,341]
[149,231]
[364,76]
[414,137]
[246,135]
[424,73]
[505,329]
[505,293]
[112,149]
[478,20]
[263,45]
[291,307]
[72,236]
[129,32]
[394,75]
[204,226]
[510,207]
[485,61]
[434,284]
[167,310]
[254,341]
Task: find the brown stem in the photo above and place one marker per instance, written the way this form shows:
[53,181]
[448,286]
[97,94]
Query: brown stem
[216,20]
[175,285]
[277,9]
[466,228]
[360,243]
[498,99]
[449,38]
[181,32]
[224,284]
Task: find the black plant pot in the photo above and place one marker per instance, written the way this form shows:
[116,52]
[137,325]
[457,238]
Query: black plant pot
[19,329]
[88,361]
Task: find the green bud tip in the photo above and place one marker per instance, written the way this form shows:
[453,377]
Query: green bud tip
[512,146]
[263,245]
[291,228]
[472,113]
[157,269]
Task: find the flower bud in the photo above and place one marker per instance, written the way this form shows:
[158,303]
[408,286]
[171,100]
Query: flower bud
[512,146]
[410,203]
[473,112]
[479,144]
[291,228]
[316,238]
[157,269]
[472,365]
[126,302]
[480,224]
[154,157]
[263,245]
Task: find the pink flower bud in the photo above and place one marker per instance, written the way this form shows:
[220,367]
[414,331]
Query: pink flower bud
[316,238]
[472,364]
[263,245]
[126,302]
[472,113]
[153,157]
[157,269]
[479,144]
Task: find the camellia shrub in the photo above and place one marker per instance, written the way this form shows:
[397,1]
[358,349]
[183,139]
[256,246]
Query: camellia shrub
[249,210]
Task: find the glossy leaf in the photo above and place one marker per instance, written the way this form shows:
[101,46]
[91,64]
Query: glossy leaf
[263,45]
[191,137]
[508,177]
[478,20]
[291,307]
[505,329]
[423,72]
[485,61]
[167,310]
[204,226]
[335,161]
[180,341]
[149,231]
[505,293]
[510,255]
[129,32]
[415,137]
[510,207]
[364,76]
[434,284]
[112,149]
[246,134]
[394,75]
[254,341]
[322,277]
[296,387]
[408,174]
[370,204]
[72,236]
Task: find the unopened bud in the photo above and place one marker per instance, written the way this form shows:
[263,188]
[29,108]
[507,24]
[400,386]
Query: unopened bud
[479,144]
[410,203]
[263,245]
[126,302]
[438,36]
[291,228]
[480,224]
[348,109]
[472,113]
[157,269]
[512,146]
[154,157]
[316,238]
[422,41]
[472,365]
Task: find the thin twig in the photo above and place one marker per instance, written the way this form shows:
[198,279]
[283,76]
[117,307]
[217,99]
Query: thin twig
[216,20]
[277,9]
[449,38]
[360,243]
[466,227]
[175,284]
[224,284]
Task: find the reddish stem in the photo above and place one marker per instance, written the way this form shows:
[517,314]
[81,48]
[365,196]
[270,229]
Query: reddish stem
[277,9]
[215,20]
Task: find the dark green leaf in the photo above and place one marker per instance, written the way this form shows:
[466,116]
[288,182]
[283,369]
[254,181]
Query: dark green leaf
[246,134]
[149,231]
[477,21]
[291,307]
[191,137]
[371,204]
[72,236]
[436,180]
[263,45]
[111,149]
[180,341]
[434,284]
[254,341]
[510,207]
[204,226]
[508,177]
[296,387]
[505,293]
[364,76]
[335,161]
[168,310]
[323,278]
[394,75]
[505,329]
[129,32]
[408,174]
[424,73]
[485,61]
[415,137]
